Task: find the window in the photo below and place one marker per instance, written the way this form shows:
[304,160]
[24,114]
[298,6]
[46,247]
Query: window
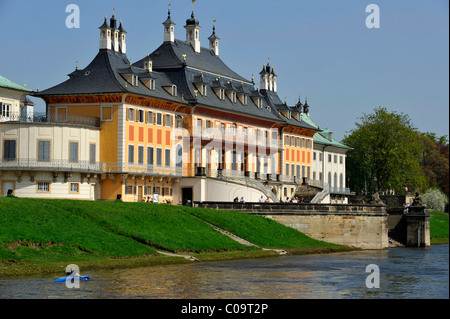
[174,90]
[329,158]
[293,141]
[245,132]
[234,129]
[232,97]
[222,128]
[43,187]
[73,152]
[134,80]
[244,99]
[167,158]
[131,154]
[314,156]
[341,160]
[141,155]
[149,117]
[141,115]
[129,190]
[287,170]
[6,111]
[150,154]
[287,140]
[156,190]
[335,158]
[74,188]
[44,151]
[92,154]
[297,142]
[9,150]
[168,120]
[158,118]
[131,115]
[152,85]
[203,90]
[158,157]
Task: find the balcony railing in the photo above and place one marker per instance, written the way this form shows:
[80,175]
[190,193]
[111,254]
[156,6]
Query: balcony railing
[43,118]
[87,167]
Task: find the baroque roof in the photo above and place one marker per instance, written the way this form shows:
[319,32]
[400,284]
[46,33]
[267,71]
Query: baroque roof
[176,63]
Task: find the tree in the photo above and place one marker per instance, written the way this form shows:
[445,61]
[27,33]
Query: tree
[386,153]
[435,161]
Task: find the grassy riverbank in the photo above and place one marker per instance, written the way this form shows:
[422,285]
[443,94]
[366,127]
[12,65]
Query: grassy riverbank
[439,227]
[43,236]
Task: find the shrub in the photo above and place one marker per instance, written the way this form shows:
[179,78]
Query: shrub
[435,199]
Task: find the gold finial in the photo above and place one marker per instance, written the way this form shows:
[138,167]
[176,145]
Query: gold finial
[76,65]
[184,57]
[182,97]
[25,85]
[196,92]
[253,77]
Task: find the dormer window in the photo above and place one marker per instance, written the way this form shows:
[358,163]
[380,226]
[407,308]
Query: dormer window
[150,83]
[203,90]
[258,102]
[232,96]
[243,98]
[220,93]
[172,90]
[134,80]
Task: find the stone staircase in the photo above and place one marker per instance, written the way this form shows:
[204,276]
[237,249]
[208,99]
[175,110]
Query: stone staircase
[246,181]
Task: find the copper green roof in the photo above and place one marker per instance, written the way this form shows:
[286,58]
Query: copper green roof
[5,83]
[322,136]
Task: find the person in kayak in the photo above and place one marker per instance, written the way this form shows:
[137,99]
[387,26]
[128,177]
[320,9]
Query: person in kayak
[73,273]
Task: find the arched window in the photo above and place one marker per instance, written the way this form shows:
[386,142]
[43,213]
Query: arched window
[335,183]
[341,181]
[329,179]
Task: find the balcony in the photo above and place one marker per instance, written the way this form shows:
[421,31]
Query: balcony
[43,118]
[24,164]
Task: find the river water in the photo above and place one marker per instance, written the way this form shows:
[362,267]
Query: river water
[403,273]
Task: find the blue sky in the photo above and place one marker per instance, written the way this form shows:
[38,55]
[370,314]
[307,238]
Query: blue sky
[320,49]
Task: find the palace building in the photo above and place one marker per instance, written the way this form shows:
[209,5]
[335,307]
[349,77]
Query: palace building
[177,126]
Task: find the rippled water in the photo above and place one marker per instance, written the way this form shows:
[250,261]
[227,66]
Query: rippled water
[404,273]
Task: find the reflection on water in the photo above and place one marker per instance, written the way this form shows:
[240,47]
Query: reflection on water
[404,273]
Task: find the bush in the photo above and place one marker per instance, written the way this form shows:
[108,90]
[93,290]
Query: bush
[435,199]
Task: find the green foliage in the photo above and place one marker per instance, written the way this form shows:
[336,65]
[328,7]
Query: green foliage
[435,199]
[386,153]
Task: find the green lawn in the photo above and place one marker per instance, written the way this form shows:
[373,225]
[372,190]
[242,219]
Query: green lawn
[439,227]
[259,230]
[38,235]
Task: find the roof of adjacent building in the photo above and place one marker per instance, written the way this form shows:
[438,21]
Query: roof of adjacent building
[5,83]
[323,137]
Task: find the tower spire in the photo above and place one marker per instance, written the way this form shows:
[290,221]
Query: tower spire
[214,40]
[169,34]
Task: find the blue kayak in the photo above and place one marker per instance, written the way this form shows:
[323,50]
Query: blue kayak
[63,279]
